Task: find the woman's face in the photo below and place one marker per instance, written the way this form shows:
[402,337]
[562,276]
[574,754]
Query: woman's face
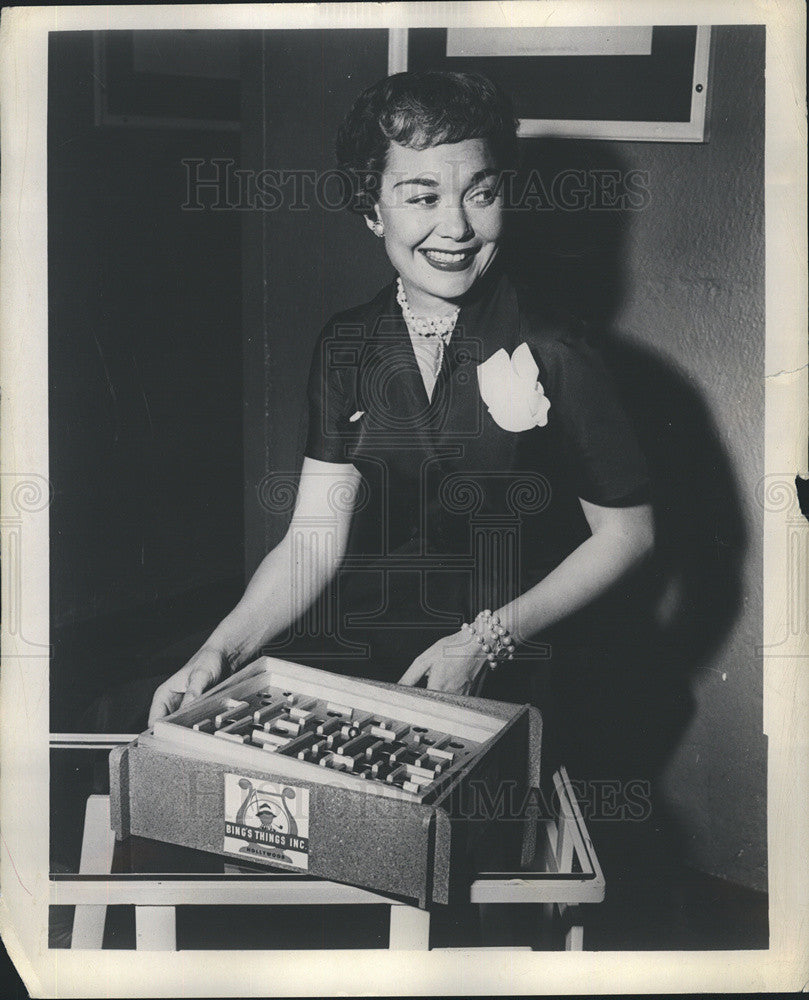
[442,219]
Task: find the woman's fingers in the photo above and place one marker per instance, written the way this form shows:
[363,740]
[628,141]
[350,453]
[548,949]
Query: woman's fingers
[164,702]
[452,677]
[186,685]
[417,669]
[199,679]
[438,681]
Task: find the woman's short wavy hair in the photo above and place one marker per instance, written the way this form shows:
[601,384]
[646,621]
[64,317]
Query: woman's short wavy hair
[420,110]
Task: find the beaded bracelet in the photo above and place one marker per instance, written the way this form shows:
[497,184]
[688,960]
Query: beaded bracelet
[498,644]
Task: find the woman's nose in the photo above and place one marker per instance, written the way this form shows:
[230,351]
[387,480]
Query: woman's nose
[454,224]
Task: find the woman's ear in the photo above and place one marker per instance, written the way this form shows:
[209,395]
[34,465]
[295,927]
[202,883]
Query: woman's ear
[374,222]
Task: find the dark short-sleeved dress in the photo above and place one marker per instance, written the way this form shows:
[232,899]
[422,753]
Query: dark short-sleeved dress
[456,514]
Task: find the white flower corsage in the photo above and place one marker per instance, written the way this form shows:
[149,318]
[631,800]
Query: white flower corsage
[509,387]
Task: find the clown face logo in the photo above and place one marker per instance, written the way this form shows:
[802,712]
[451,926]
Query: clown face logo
[266,821]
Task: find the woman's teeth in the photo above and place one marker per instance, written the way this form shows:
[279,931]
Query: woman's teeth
[447,257]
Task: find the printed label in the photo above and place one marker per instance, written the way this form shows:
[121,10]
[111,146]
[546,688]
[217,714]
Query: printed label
[266,821]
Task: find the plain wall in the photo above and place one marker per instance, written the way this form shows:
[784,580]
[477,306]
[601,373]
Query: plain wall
[678,290]
[300,265]
[694,276]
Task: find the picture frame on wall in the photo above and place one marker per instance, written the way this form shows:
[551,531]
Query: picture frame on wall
[642,84]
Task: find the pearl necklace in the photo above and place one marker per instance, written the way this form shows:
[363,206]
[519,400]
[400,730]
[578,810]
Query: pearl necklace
[425,326]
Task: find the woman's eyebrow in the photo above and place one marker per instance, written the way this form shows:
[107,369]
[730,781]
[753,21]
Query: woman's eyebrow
[479,175]
[426,181]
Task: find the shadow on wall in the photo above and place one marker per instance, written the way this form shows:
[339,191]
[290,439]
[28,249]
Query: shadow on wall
[635,702]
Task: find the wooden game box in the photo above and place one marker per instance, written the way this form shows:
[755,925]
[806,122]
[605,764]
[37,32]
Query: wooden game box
[395,789]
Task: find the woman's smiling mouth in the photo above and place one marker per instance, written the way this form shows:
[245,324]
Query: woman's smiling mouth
[449,260]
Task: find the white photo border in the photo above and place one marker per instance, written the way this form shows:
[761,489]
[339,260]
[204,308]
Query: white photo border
[24,769]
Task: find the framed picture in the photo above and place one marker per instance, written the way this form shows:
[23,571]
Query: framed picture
[646,83]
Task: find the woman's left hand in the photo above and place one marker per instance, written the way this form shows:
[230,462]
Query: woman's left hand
[452,664]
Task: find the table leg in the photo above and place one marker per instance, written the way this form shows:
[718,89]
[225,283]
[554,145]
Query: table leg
[574,939]
[98,843]
[409,928]
[155,928]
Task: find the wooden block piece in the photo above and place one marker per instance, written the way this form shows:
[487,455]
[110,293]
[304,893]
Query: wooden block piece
[336,763]
[372,751]
[230,710]
[420,772]
[391,730]
[288,726]
[426,737]
[233,737]
[362,719]
[312,722]
[431,764]
[264,738]
[303,709]
[225,719]
[301,743]
[242,720]
[382,733]
[262,715]
[355,746]
[419,780]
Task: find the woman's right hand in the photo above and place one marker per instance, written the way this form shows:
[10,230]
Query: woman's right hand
[203,670]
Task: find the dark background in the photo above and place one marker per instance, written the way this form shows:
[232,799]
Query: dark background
[179,348]
[145,361]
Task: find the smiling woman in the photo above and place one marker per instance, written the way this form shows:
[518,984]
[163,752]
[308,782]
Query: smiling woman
[454,535]
[426,151]
[441,222]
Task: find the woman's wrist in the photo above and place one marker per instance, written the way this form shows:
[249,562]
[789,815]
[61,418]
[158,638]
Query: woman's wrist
[492,636]
[232,653]
[512,618]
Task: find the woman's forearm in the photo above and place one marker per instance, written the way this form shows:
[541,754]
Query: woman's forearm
[587,573]
[295,573]
[620,539]
[288,581]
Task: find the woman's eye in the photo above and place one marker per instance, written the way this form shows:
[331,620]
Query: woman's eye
[423,199]
[485,196]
